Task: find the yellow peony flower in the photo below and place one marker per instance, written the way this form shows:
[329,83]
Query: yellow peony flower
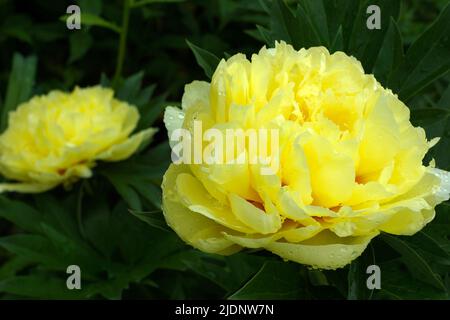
[350,161]
[57,138]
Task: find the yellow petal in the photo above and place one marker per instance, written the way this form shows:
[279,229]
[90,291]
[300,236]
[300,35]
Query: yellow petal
[195,229]
[380,126]
[253,242]
[332,173]
[411,211]
[125,149]
[324,251]
[173,120]
[296,174]
[196,94]
[255,218]
[292,210]
[301,233]
[405,221]
[196,198]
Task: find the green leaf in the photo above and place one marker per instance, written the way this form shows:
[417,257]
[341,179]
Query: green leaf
[20,85]
[426,60]
[390,55]
[131,91]
[428,116]
[130,87]
[98,226]
[205,59]
[152,218]
[79,43]
[18,26]
[93,20]
[275,280]
[89,19]
[418,266]
[12,266]
[58,213]
[425,240]
[105,81]
[357,276]
[73,251]
[339,280]
[365,44]
[143,97]
[110,289]
[397,284]
[91,6]
[317,278]
[150,192]
[33,247]
[134,239]
[283,24]
[310,36]
[294,28]
[440,151]
[133,185]
[126,192]
[438,229]
[164,245]
[315,10]
[444,101]
[48,32]
[254,33]
[38,286]
[338,42]
[151,110]
[265,35]
[20,214]
[230,273]
[139,176]
[341,15]
[146,2]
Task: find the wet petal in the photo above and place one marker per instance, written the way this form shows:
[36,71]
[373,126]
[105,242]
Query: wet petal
[324,251]
[195,229]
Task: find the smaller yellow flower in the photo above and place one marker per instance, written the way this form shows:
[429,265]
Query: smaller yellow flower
[57,138]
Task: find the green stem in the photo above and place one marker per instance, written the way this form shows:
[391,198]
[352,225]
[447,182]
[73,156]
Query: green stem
[123,42]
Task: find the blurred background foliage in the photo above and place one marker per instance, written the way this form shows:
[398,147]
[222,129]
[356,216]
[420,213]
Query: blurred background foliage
[111,225]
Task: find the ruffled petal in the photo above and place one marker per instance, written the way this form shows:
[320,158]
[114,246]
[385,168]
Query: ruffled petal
[195,229]
[253,217]
[125,149]
[196,94]
[173,120]
[324,251]
[195,197]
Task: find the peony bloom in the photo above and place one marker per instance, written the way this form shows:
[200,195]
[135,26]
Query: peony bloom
[57,138]
[350,161]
